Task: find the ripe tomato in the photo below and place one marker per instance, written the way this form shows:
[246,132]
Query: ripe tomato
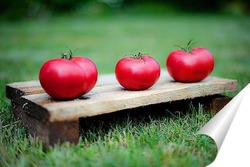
[137,73]
[71,78]
[190,65]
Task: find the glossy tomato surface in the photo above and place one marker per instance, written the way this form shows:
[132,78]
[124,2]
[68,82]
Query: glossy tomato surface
[192,66]
[90,70]
[137,73]
[68,78]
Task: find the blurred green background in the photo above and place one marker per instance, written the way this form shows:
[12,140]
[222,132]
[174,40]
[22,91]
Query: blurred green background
[33,31]
[17,9]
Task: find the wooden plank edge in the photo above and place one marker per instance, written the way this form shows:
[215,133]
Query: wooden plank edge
[34,110]
[14,91]
[50,133]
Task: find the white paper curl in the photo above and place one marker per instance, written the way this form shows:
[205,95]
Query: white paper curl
[230,129]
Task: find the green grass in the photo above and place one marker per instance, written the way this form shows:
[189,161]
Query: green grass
[166,139]
[145,140]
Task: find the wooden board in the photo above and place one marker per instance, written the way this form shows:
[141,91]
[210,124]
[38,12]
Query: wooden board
[31,102]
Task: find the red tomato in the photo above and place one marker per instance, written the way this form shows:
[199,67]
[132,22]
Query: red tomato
[68,78]
[137,73]
[190,66]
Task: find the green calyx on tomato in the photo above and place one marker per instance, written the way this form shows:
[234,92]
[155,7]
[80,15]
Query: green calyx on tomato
[65,55]
[188,47]
[138,56]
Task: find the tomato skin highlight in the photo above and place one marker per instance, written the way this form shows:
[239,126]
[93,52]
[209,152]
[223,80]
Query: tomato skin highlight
[65,79]
[90,69]
[137,74]
[192,66]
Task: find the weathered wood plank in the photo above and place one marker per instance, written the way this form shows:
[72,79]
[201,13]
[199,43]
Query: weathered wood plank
[35,126]
[49,132]
[108,96]
[118,99]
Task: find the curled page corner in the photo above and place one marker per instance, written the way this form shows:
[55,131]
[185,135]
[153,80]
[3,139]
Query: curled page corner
[230,129]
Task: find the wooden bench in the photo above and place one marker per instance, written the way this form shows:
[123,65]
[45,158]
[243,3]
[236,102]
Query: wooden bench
[54,121]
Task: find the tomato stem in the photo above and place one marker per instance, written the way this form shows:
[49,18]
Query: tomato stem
[138,56]
[65,55]
[70,54]
[188,47]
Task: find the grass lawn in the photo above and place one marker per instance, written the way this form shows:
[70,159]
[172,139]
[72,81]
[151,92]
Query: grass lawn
[128,140]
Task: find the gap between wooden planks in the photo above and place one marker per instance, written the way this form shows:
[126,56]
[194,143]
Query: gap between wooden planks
[108,96]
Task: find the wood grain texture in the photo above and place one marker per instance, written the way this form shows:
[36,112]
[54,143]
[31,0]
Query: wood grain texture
[108,96]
